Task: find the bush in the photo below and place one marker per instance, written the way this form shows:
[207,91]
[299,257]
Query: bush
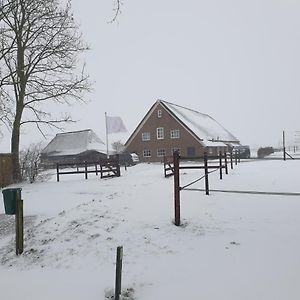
[264,151]
[30,162]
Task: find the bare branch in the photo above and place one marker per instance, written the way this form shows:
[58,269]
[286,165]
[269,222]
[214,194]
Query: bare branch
[116,10]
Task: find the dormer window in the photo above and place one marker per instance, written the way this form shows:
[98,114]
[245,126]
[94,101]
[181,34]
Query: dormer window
[159,113]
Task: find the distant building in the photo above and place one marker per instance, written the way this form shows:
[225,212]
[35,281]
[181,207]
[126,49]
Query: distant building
[168,127]
[76,146]
[6,169]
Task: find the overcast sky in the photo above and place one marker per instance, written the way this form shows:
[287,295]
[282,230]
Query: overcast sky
[236,60]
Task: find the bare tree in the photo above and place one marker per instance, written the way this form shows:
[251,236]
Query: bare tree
[118,146]
[31,168]
[40,44]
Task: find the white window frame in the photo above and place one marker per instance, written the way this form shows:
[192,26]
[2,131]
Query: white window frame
[160,135]
[175,134]
[161,152]
[159,113]
[146,136]
[146,153]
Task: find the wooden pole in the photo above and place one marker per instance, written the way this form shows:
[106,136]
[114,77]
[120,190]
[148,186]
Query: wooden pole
[57,172]
[239,156]
[220,165]
[231,159]
[226,167]
[206,174]
[176,188]
[117,162]
[19,224]
[236,157]
[85,168]
[118,285]
[283,143]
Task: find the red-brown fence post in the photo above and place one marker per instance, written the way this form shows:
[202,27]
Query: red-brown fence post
[206,174]
[231,159]
[176,188]
[117,162]
[226,167]
[220,165]
[85,168]
[283,144]
[236,158]
[57,172]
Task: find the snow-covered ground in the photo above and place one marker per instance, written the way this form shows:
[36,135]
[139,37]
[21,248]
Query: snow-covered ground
[231,246]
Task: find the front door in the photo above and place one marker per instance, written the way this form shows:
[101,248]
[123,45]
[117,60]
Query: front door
[191,151]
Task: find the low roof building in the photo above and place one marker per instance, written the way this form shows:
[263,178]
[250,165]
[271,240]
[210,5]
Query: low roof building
[75,146]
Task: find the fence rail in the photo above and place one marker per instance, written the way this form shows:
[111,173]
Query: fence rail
[105,167]
[223,160]
[220,162]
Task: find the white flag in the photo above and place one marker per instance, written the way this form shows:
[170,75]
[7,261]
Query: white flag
[115,125]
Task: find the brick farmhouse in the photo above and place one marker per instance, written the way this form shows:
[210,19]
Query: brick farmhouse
[168,127]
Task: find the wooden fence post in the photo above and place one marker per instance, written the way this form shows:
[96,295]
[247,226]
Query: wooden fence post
[239,156]
[19,224]
[57,172]
[226,167]
[206,174]
[176,188]
[231,159]
[96,169]
[236,158]
[220,165]
[117,162]
[165,164]
[85,168]
[283,143]
[118,285]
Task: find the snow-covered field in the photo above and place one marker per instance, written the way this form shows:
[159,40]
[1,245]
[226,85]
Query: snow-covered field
[231,246]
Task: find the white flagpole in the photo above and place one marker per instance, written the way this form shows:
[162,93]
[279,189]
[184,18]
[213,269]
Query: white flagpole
[107,154]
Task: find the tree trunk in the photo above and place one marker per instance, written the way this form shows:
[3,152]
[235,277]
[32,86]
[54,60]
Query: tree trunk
[15,146]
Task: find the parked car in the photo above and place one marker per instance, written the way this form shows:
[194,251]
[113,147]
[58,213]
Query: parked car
[128,159]
[244,151]
[135,158]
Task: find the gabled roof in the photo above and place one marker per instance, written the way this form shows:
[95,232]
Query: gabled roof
[202,126]
[73,143]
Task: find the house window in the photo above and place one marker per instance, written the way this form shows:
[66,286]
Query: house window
[145,136]
[174,150]
[175,134]
[159,113]
[160,133]
[161,152]
[147,153]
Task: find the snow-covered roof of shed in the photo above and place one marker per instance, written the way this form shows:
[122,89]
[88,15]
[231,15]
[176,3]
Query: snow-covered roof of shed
[75,142]
[202,125]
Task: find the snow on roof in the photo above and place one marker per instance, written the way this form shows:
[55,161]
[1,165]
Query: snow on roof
[203,126]
[72,143]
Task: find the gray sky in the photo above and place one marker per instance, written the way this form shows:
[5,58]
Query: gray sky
[235,60]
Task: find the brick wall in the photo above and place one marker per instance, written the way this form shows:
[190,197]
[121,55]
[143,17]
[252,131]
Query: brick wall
[168,122]
[5,169]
